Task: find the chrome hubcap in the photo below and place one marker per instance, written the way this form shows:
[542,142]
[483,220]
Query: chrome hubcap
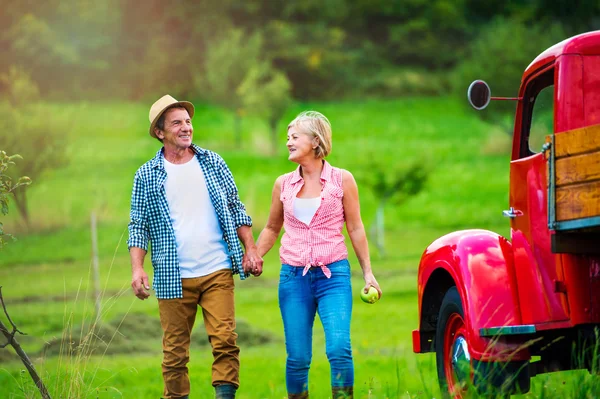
[461,360]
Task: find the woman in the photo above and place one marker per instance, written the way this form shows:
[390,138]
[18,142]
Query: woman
[312,203]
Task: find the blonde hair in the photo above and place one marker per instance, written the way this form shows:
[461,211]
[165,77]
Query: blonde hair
[317,125]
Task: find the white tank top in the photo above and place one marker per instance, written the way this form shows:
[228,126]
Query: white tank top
[305,208]
[200,246]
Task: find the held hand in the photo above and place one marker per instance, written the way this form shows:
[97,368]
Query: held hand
[252,263]
[139,283]
[370,281]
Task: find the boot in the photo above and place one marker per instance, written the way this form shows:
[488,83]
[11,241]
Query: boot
[303,395]
[225,391]
[342,393]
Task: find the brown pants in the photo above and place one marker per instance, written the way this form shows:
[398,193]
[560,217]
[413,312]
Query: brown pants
[214,294]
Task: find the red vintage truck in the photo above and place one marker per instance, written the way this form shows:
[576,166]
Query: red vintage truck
[490,305]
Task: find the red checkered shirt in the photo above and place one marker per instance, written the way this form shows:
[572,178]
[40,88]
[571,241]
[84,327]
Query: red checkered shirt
[321,242]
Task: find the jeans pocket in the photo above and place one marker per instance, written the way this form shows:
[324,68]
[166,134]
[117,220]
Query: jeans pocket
[285,276]
[341,269]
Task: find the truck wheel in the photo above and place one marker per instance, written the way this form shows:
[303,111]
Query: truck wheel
[455,367]
[452,348]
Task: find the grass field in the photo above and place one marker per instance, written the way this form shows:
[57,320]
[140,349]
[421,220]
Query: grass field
[45,275]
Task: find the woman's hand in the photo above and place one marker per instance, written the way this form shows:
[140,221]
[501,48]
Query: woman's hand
[252,263]
[370,281]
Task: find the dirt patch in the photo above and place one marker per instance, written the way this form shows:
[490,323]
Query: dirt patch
[137,332]
[53,298]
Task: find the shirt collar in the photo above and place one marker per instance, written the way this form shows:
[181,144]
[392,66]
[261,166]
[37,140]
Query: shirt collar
[159,160]
[325,173]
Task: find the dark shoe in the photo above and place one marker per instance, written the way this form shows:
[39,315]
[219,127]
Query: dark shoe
[342,392]
[225,391]
[303,395]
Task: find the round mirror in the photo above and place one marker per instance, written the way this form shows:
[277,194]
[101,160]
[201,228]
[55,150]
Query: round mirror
[479,94]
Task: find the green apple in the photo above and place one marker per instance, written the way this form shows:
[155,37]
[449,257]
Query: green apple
[371,296]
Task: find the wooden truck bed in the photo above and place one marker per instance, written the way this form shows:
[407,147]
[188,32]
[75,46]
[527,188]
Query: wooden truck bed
[574,184]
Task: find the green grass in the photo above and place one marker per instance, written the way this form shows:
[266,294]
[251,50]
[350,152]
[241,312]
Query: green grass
[46,273]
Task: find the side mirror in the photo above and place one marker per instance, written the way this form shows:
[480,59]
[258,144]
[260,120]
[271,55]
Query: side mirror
[479,94]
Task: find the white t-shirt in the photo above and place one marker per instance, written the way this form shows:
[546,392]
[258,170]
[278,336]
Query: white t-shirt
[201,248]
[305,208]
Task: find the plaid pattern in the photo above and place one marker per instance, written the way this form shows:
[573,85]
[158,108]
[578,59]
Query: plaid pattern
[150,220]
[322,241]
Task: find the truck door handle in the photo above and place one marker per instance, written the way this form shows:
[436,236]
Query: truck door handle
[512,213]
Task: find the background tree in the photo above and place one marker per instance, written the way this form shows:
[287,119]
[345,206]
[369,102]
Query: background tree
[266,92]
[67,47]
[28,129]
[227,65]
[391,182]
[331,49]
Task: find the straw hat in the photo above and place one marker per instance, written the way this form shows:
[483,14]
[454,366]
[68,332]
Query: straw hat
[161,105]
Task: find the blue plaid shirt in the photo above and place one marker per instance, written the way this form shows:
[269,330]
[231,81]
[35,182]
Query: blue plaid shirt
[150,219]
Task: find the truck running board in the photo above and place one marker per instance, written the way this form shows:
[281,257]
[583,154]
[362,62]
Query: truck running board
[507,330]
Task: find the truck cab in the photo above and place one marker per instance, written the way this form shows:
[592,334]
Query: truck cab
[488,304]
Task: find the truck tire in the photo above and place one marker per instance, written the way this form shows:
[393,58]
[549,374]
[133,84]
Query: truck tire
[460,376]
[453,376]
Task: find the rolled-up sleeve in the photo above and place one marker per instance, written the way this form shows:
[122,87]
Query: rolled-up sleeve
[235,205]
[138,223]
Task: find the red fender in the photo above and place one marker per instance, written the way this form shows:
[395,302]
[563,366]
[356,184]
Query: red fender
[480,264]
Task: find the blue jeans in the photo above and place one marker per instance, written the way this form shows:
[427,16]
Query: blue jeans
[300,298]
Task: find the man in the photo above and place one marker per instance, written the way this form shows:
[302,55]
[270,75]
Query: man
[185,203]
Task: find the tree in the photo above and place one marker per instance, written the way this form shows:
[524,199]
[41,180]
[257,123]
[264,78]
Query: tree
[27,129]
[266,92]
[228,62]
[12,341]
[391,183]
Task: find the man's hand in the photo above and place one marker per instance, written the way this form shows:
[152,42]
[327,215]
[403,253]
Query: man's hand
[252,263]
[139,283]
